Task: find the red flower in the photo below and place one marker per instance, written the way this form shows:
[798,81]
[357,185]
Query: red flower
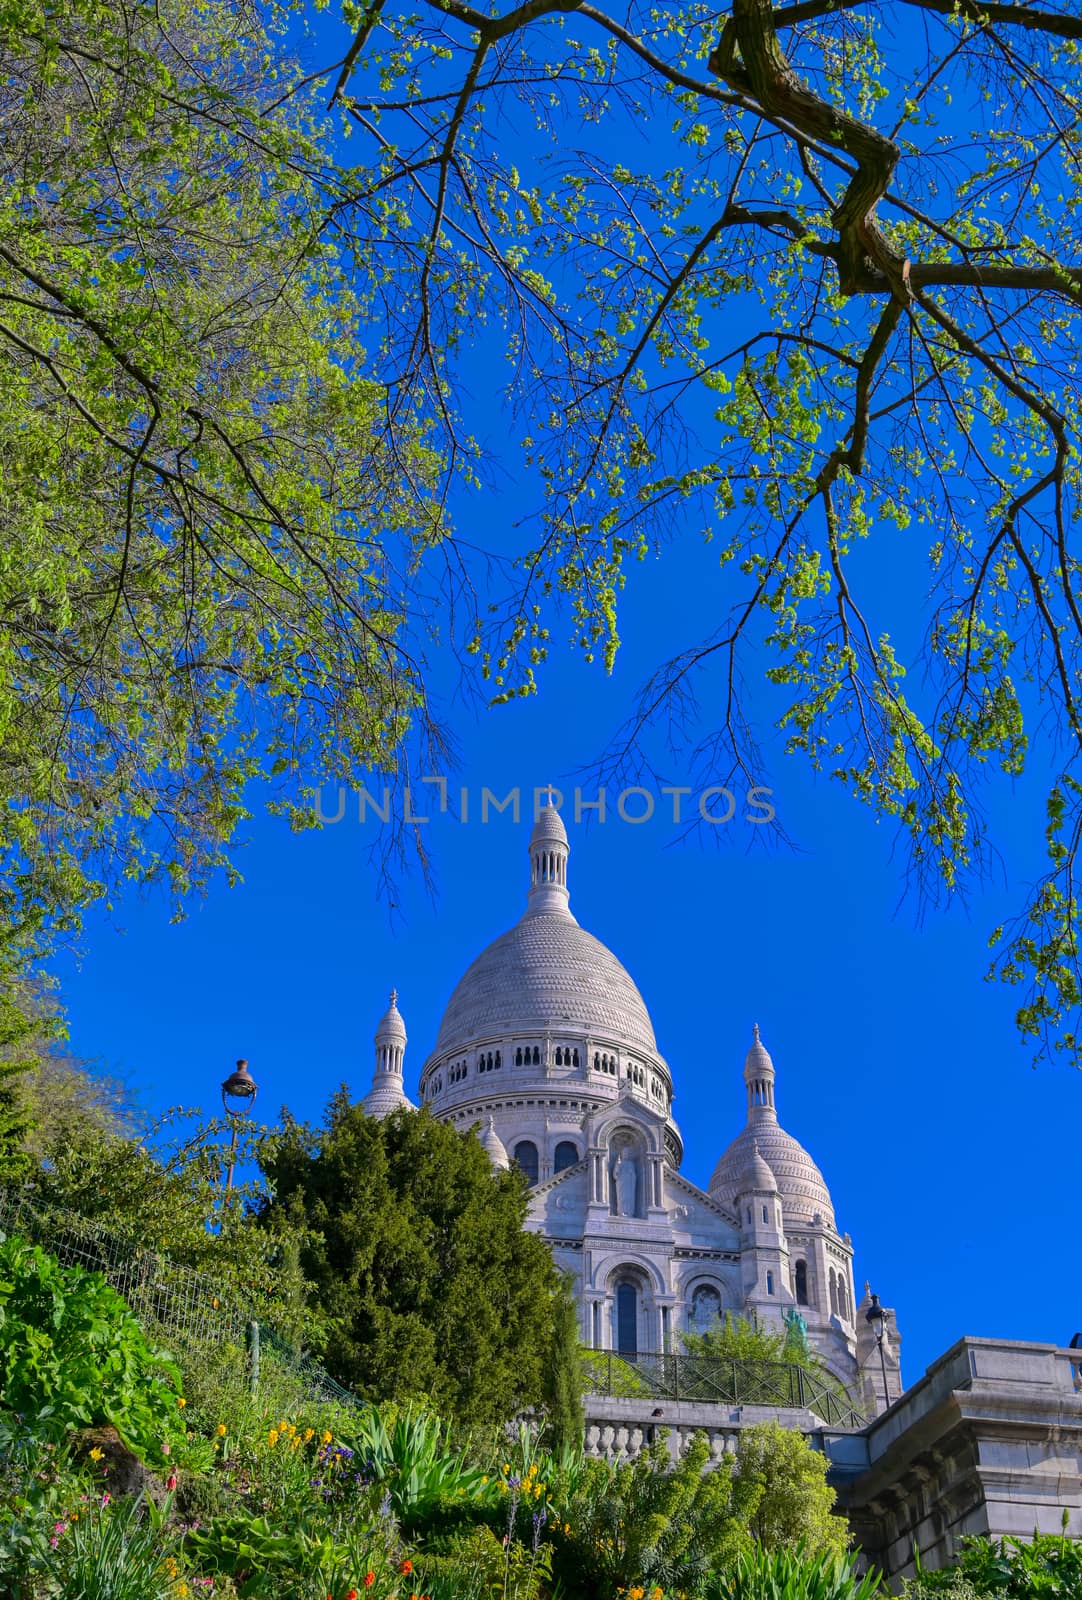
[369,1579]
[351,1594]
[171,1481]
[406,1568]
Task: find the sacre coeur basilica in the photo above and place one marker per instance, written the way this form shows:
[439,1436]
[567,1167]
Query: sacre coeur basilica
[546,1047]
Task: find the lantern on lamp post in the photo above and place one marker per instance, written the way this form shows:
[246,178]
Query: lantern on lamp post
[875,1317]
[238,1097]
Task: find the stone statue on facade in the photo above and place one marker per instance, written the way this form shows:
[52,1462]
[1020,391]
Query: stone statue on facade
[623,1182]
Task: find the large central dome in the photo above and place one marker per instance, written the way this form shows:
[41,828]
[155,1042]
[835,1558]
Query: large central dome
[544,974]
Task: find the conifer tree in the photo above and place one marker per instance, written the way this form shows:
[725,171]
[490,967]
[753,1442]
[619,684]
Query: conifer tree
[417,1258]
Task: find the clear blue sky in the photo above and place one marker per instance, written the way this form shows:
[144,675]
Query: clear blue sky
[951,1163]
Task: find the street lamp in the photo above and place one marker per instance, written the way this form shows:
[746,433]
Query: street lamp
[875,1317]
[238,1097]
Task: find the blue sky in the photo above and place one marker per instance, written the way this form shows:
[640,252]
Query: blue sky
[950,1161]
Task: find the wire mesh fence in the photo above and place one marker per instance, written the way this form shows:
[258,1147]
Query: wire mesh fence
[179,1300]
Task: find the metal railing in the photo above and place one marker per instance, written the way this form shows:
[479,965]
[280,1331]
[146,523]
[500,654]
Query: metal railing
[715,1381]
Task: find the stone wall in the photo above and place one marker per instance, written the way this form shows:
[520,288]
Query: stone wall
[988,1441]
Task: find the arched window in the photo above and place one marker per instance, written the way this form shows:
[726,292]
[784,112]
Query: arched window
[536,1056]
[802,1283]
[627,1321]
[770,1283]
[526,1156]
[567,1155]
[518,1057]
[766,1215]
[843,1298]
[833,1292]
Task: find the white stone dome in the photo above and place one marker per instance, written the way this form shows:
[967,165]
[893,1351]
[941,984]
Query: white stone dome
[801,1185]
[546,974]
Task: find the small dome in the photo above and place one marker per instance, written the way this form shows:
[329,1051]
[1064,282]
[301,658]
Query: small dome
[494,1147]
[757,1176]
[799,1182]
[549,827]
[758,1061]
[391,1030]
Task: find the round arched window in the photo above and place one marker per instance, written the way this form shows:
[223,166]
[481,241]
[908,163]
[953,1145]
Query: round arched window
[525,1153]
[566,1155]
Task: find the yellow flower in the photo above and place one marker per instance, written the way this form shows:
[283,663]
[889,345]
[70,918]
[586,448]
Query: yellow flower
[222,1430]
[181,1402]
[567,1527]
[506,1469]
[309,1433]
[326,1436]
[656,1592]
[272,1437]
[485,1478]
[636,1594]
[96,1454]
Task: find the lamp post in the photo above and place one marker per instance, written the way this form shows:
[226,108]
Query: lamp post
[238,1097]
[875,1317]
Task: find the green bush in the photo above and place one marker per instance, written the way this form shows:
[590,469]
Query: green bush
[639,1524]
[794,1505]
[1046,1567]
[72,1355]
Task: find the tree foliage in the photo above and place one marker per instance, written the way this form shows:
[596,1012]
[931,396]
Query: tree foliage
[95,1162]
[418,1261]
[788,281]
[205,530]
[743,1339]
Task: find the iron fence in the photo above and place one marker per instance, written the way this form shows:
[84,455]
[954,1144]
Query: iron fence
[715,1381]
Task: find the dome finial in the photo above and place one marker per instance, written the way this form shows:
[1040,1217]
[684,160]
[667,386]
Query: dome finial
[394,1002]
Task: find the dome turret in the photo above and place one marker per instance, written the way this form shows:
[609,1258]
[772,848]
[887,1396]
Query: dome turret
[549,851]
[800,1183]
[756,1177]
[493,1147]
[387,1093]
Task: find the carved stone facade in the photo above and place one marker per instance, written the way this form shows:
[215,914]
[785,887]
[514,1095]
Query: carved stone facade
[547,1048]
